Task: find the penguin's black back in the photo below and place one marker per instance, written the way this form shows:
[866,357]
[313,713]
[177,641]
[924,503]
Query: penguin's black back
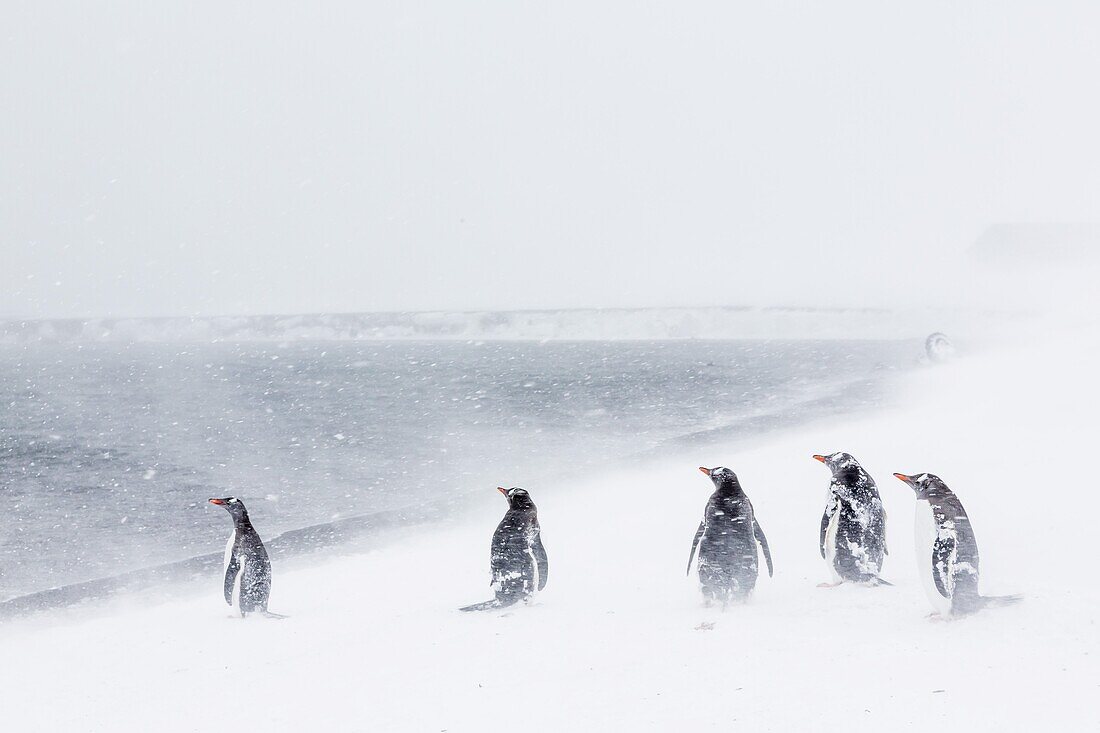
[513,557]
[859,545]
[728,560]
[956,551]
[249,561]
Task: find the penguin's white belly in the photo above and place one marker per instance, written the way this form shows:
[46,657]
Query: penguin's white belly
[236,597]
[830,545]
[925,533]
[535,579]
[229,551]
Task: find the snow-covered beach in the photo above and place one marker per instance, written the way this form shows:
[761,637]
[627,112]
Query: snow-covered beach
[620,638]
[349,267]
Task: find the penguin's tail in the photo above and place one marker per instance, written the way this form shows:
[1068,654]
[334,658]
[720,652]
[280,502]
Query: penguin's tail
[488,605]
[268,614]
[484,606]
[872,581]
[995,601]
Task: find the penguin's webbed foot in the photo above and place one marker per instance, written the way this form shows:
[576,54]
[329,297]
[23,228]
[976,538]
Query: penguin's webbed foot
[829,585]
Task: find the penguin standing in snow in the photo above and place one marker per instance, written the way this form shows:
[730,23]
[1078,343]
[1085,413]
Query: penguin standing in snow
[947,551]
[247,583]
[853,526]
[517,559]
[726,540]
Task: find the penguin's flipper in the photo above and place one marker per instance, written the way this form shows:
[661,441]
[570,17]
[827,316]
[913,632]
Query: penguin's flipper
[759,532]
[831,508]
[540,560]
[232,568]
[824,531]
[941,563]
[694,544]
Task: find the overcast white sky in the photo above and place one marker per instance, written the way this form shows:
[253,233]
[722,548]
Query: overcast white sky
[210,157]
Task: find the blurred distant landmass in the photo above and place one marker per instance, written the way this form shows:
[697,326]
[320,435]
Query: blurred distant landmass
[576,324]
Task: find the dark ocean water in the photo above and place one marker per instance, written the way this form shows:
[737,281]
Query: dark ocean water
[108,452]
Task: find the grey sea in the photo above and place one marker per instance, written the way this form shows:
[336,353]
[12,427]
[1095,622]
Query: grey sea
[109,452]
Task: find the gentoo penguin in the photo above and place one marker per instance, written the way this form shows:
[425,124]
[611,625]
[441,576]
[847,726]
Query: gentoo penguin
[726,539]
[247,582]
[517,559]
[853,526]
[947,551]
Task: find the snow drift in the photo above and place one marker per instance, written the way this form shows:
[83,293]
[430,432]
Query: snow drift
[619,639]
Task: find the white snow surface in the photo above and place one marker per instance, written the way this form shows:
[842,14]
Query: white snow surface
[618,641]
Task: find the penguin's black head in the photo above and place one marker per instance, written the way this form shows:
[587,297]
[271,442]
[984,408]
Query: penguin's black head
[233,505]
[517,498]
[924,485]
[722,477]
[843,465]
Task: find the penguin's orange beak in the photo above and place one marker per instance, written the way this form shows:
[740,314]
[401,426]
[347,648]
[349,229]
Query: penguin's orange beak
[819,458]
[502,490]
[219,502]
[705,470]
[902,476]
